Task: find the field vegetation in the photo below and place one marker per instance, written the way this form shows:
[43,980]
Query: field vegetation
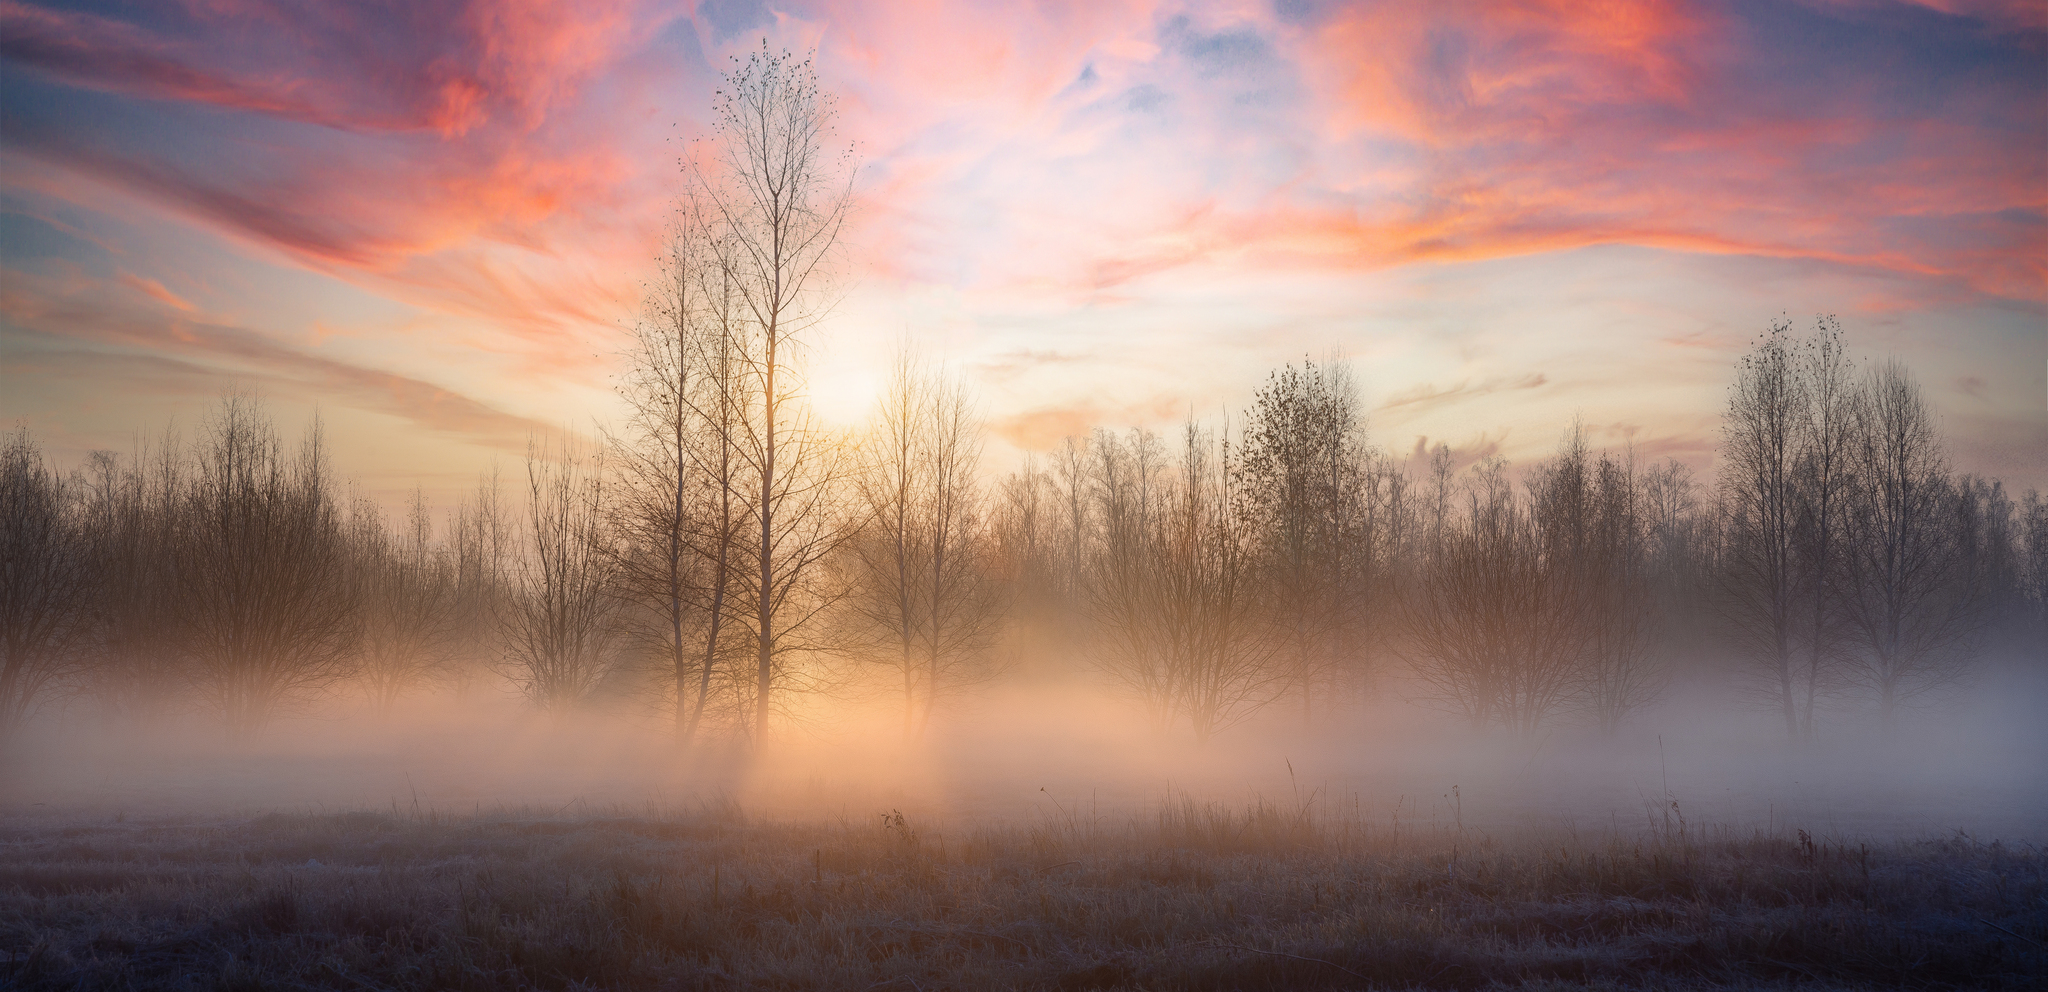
[1187,895]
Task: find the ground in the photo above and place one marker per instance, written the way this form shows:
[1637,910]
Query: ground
[1186,896]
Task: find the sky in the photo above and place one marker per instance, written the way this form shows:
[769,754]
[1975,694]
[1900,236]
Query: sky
[432,221]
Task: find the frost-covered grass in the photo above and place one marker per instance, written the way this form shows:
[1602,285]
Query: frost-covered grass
[1189,895]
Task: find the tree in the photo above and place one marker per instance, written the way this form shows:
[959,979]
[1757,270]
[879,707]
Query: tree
[1760,444]
[481,544]
[1496,626]
[46,577]
[1823,482]
[1303,489]
[559,625]
[1213,621]
[1024,545]
[1622,676]
[1123,577]
[962,604]
[133,509]
[779,204]
[2032,538]
[409,602]
[925,585]
[679,508]
[270,611]
[1070,485]
[890,549]
[1912,607]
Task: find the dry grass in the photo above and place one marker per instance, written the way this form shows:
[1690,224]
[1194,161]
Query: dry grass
[1190,896]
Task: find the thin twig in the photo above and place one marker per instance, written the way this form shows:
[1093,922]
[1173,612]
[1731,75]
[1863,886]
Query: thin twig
[1062,864]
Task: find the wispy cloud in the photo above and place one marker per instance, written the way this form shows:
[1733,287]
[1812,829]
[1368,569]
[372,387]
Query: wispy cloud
[508,165]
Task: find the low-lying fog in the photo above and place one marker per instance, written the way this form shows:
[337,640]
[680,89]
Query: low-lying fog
[1062,749]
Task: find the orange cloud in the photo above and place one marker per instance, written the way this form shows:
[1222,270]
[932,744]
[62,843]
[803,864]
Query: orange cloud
[157,291]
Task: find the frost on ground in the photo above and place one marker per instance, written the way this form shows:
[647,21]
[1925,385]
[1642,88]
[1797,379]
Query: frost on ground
[1186,895]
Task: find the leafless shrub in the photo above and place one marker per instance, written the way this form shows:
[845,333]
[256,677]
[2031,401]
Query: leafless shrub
[263,572]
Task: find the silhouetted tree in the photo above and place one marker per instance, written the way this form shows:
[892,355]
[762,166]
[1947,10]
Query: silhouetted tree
[1759,478]
[779,202]
[1914,610]
[891,550]
[263,573]
[409,605]
[1303,488]
[1495,627]
[1824,477]
[1215,627]
[133,509]
[46,579]
[1123,580]
[560,636]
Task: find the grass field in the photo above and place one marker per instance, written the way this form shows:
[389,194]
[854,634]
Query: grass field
[1186,896]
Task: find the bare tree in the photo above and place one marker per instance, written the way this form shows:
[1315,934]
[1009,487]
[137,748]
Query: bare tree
[1071,483]
[926,584]
[481,540]
[1494,627]
[2032,538]
[1913,610]
[46,578]
[269,608]
[1823,483]
[779,203]
[409,605]
[1212,621]
[1024,542]
[721,403]
[891,549]
[680,510]
[1622,676]
[1123,579]
[962,604]
[1760,445]
[132,509]
[559,635]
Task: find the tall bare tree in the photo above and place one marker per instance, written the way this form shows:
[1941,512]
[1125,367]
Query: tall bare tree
[1023,523]
[1495,627]
[963,606]
[1622,674]
[1761,437]
[2031,535]
[779,199]
[1070,480]
[679,459]
[481,543]
[1914,610]
[890,551]
[1122,585]
[1823,486]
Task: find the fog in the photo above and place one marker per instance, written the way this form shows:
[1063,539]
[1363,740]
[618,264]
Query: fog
[1047,749]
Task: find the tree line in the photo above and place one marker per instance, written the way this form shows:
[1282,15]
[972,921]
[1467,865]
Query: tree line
[721,554]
